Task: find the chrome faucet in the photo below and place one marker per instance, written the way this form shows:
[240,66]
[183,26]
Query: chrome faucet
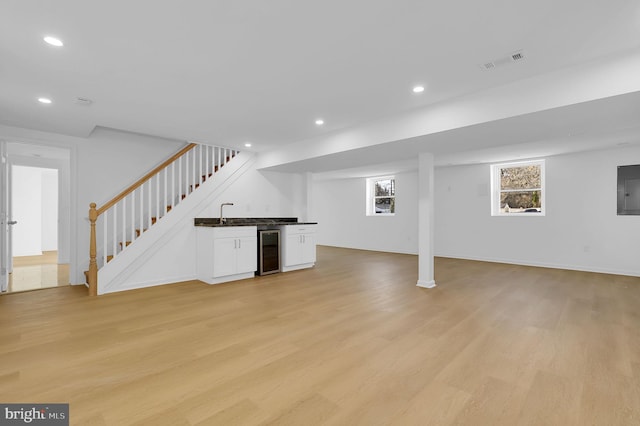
[223,219]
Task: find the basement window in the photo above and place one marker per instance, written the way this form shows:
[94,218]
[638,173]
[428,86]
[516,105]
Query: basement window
[381,196]
[517,189]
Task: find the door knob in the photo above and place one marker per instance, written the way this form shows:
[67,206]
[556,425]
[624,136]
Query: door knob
[12,222]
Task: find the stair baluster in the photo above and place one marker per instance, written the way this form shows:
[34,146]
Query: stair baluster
[124,221]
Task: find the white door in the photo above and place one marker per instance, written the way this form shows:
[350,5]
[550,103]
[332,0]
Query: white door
[5,254]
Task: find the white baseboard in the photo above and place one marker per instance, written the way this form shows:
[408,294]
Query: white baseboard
[228,278]
[426,284]
[581,268]
[297,267]
[151,283]
[367,249]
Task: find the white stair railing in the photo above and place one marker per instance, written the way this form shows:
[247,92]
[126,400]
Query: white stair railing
[124,219]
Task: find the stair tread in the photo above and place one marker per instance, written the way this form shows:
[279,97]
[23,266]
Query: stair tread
[138,233]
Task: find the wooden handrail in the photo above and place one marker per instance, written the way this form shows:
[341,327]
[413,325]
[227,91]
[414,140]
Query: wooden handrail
[143,179]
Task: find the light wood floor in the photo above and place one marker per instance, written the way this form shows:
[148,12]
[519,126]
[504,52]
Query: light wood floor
[351,342]
[37,272]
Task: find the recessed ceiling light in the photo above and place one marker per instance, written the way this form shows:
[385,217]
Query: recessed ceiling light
[418,89]
[248,145]
[44,100]
[319,121]
[54,41]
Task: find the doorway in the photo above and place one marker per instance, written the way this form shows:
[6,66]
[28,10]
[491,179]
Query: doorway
[39,206]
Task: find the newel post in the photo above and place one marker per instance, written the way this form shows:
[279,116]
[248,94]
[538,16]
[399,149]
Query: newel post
[92,279]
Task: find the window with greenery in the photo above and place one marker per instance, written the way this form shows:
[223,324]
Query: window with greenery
[381,196]
[518,189]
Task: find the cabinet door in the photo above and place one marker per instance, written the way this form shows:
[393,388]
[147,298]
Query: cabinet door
[247,255]
[224,256]
[292,251]
[308,248]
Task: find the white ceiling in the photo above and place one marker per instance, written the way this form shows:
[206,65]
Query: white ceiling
[229,71]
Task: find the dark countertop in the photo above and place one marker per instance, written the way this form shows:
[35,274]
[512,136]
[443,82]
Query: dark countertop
[249,221]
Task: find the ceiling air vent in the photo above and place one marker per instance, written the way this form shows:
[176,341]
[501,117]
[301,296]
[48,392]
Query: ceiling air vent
[514,57]
[517,56]
[83,101]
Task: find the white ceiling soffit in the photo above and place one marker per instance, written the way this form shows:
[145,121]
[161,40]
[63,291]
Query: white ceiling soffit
[585,126]
[227,72]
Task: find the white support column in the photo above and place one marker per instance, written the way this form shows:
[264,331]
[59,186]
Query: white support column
[425,221]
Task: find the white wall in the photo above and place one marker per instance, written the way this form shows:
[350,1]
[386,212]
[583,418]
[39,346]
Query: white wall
[261,194]
[339,207]
[26,206]
[49,209]
[100,166]
[63,214]
[254,194]
[581,229]
[35,207]
[108,162]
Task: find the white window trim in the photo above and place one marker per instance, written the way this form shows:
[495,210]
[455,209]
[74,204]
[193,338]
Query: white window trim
[370,208]
[495,188]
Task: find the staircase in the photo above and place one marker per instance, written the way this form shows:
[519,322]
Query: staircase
[128,217]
